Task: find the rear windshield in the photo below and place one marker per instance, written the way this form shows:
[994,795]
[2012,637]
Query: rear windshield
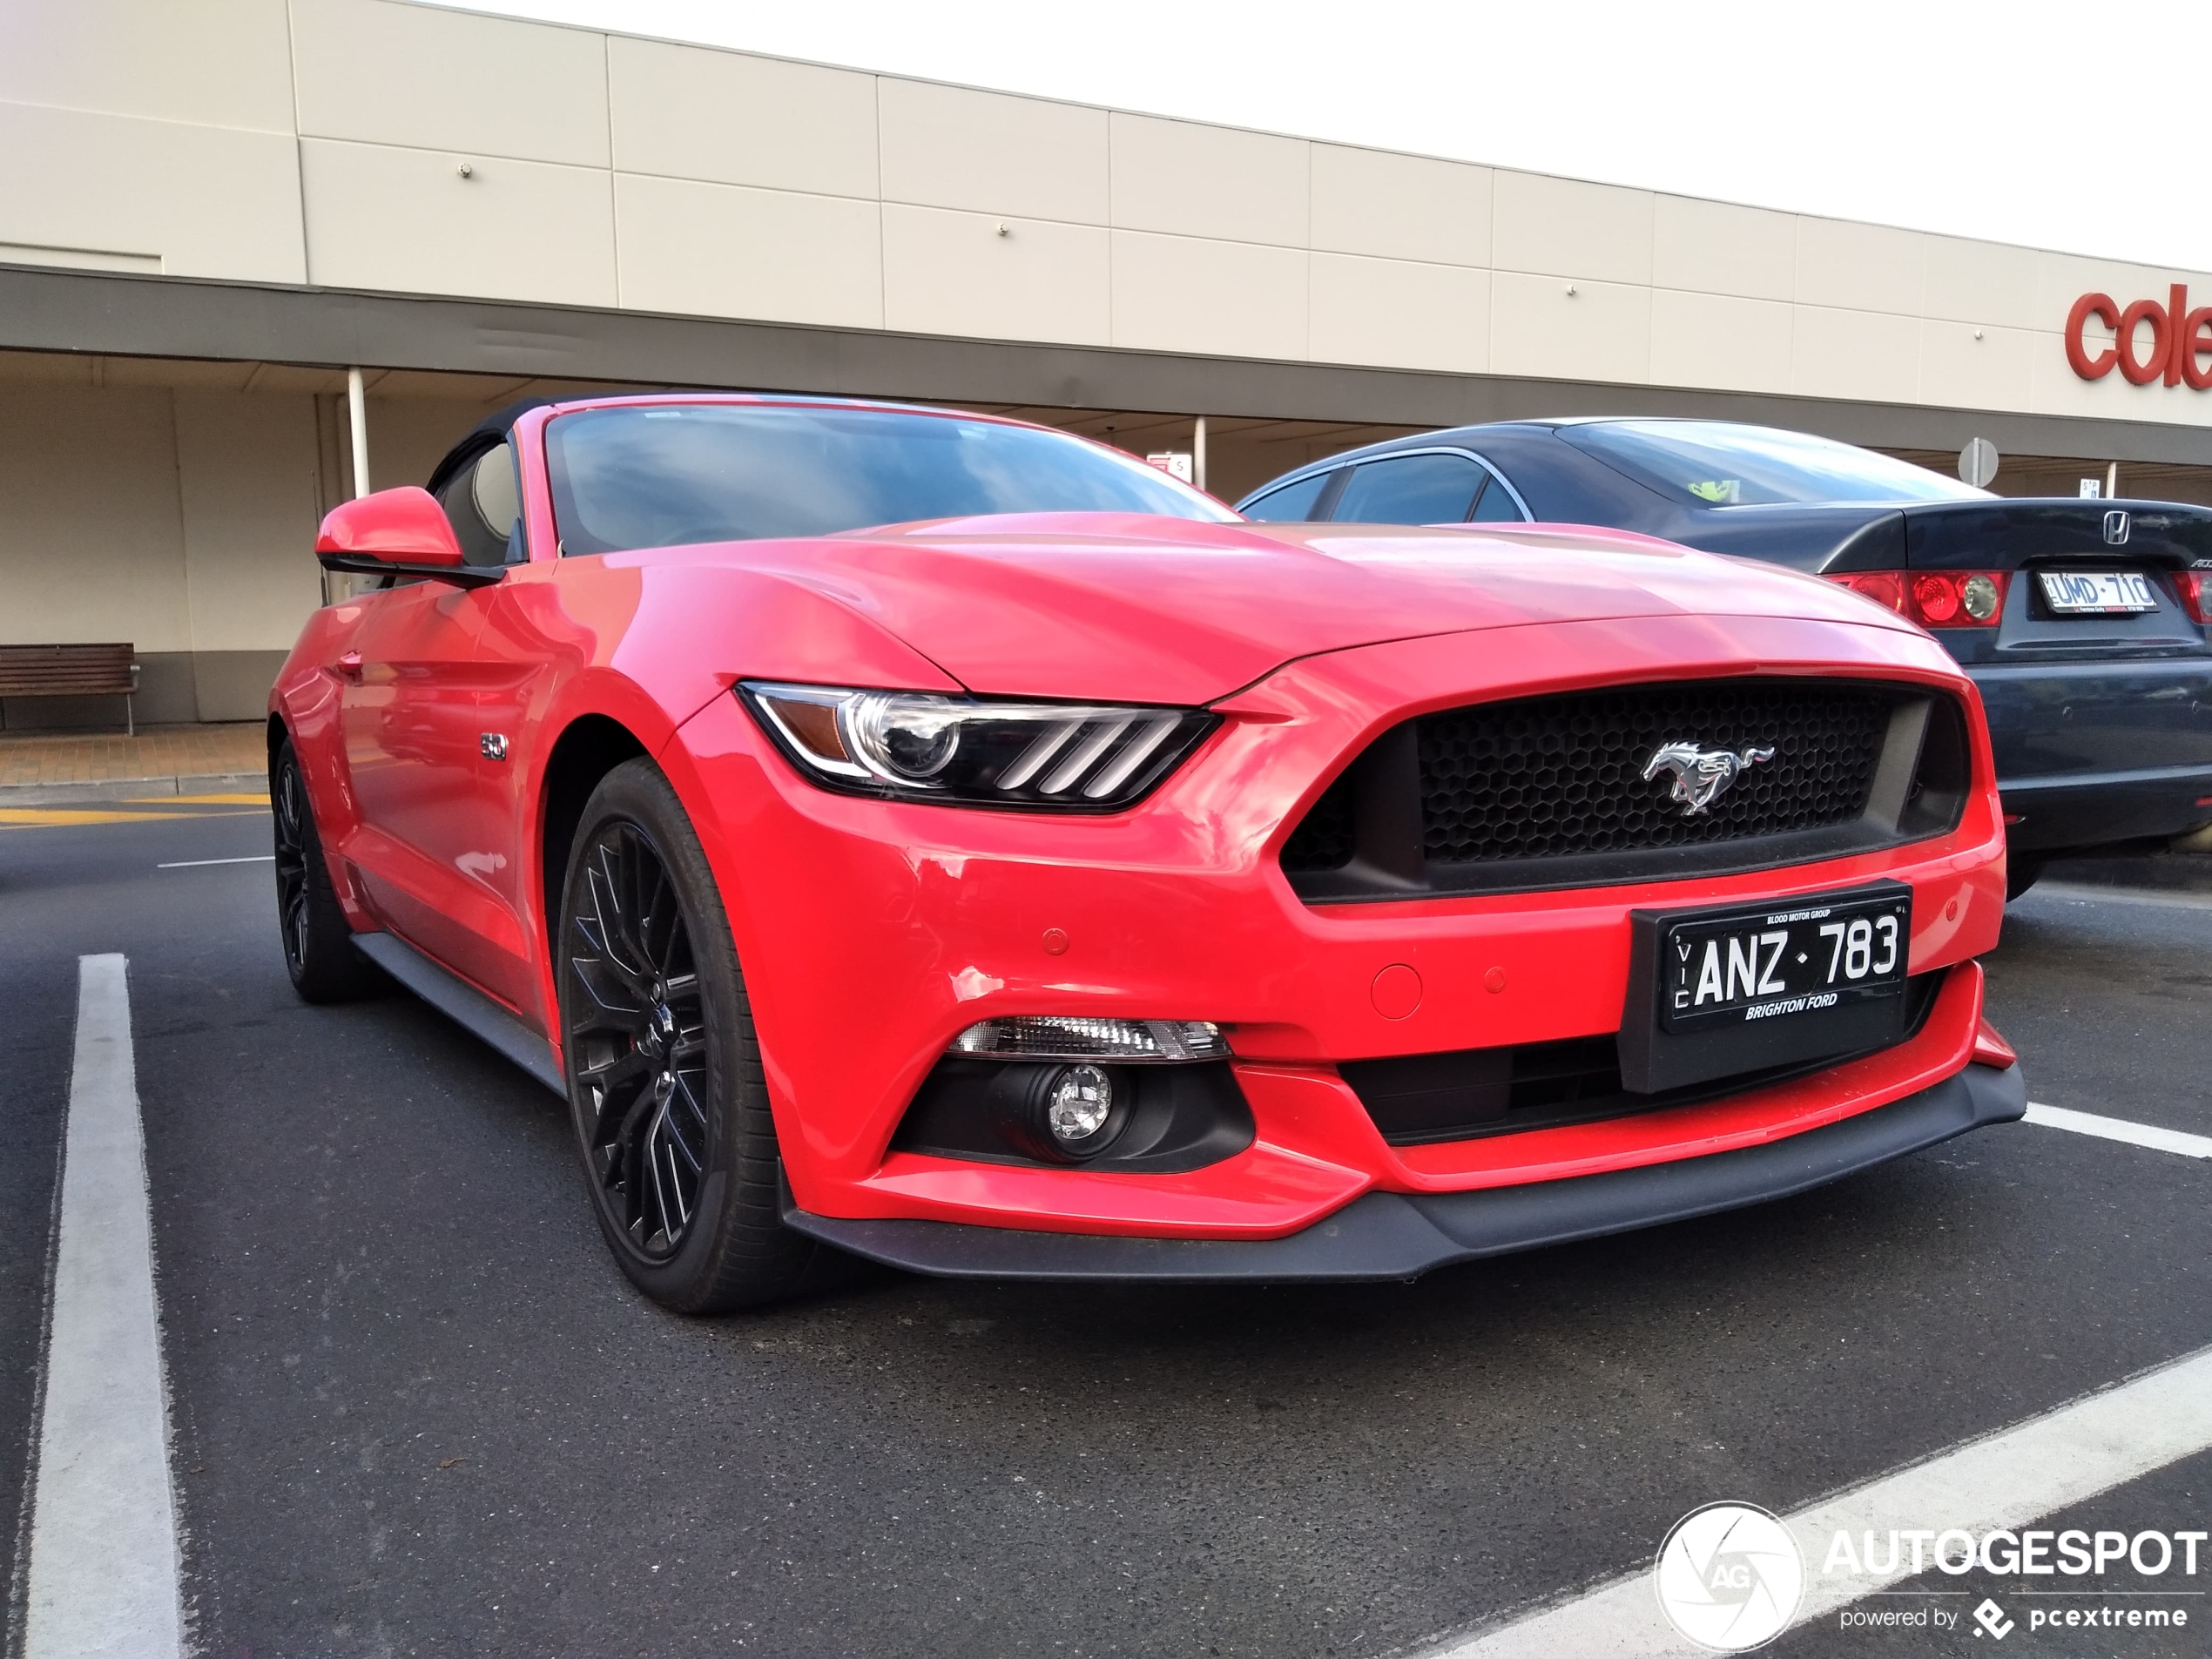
[1715,463]
[663,477]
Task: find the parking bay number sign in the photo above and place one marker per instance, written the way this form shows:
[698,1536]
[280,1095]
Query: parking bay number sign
[1784,963]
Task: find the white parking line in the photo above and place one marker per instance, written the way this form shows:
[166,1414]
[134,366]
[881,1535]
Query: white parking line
[104,1563]
[2118,1129]
[2009,1479]
[194,864]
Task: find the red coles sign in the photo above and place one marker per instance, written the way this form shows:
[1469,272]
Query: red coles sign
[2181,340]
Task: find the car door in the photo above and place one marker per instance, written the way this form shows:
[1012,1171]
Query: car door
[412,745]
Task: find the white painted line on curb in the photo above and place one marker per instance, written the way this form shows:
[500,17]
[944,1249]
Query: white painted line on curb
[2118,1129]
[2081,892]
[104,1562]
[194,864]
[2008,1478]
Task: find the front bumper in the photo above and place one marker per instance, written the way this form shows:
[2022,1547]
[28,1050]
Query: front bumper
[1402,1236]
[872,933]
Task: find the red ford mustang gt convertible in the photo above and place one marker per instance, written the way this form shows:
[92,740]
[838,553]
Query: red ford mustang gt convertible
[923,836]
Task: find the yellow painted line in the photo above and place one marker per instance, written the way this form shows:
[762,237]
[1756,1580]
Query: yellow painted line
[260,797]
[71,816]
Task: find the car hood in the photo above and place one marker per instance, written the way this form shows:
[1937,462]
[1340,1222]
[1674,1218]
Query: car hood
[1129,608]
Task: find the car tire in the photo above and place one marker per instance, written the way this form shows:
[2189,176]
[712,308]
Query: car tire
[2021,875]
[318,940]
[666,1094]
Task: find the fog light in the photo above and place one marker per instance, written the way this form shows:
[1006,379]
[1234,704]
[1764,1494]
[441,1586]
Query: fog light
[1076,1110]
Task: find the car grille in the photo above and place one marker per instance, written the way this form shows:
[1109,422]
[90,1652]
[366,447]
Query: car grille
[1417,1100]
[1550,791]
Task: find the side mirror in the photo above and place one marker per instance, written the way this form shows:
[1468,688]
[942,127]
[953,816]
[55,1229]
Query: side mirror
[398,532]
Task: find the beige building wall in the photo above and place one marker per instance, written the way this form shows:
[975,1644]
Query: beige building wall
[174,505]
[375,144]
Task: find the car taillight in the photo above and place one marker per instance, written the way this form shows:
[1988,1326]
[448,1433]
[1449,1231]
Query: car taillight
[1935,598]
[2194,590]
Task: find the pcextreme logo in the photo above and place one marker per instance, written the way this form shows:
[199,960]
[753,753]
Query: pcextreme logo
[2179,339]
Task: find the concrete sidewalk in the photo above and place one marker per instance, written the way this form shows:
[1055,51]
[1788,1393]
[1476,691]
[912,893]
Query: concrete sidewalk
[174,759]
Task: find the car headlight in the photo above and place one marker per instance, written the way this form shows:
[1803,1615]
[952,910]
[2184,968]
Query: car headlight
[922,745]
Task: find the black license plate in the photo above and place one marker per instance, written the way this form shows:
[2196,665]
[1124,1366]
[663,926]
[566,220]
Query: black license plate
[1781,963]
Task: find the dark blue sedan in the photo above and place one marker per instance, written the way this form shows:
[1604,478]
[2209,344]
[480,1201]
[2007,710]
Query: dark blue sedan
[2088,624]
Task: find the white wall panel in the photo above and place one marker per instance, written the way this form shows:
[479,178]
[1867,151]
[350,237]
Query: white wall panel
[1860,267]
[202,200]
[384,72]
[1227,298]
[1188,179]
[248,476]
[1968,281]
[734,119]
[1601,332]
[1400,314]
[1719,340]
[380,217]
[2060,279]
[990,152]
[1867,355]
[1715,247]
[1565,228]
[952,273]
[1996,371]
[773,255]
[216,63]
[1400,207]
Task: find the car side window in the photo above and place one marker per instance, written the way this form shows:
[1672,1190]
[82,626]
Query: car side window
[1290,503]
[483,504]
[1410,490]
[1495,505]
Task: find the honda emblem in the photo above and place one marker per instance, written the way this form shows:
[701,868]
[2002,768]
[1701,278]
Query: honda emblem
[2117,528]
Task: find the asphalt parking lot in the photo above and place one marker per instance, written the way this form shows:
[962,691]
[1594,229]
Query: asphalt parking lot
[416,1409]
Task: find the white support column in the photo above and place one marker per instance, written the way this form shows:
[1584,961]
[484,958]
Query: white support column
[1198,452]
[2112,480]
[357,413]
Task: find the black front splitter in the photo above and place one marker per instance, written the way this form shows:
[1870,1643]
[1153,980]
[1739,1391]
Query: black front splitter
[1401,1235]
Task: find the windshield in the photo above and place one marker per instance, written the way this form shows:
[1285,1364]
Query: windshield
[661,476]
[1716,463]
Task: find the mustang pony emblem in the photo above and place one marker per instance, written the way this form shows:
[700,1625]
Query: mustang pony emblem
[1701,774]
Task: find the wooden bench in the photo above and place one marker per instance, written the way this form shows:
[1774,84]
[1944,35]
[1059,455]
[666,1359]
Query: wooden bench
[73,670]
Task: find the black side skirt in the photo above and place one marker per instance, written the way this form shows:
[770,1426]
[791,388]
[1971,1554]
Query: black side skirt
[1396,1236]
[465,1005]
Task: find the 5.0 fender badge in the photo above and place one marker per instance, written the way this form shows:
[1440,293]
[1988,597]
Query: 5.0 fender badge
[1701,774]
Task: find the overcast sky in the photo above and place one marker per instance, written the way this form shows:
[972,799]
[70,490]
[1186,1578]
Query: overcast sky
[2080,128]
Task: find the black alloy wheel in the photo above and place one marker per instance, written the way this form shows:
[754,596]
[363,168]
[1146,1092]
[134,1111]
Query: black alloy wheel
[665,1089]
[318,940]
[637,1031]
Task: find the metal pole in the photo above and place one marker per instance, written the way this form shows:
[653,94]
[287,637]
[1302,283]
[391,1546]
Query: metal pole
[2112,480]
[357,411]
[1198,451]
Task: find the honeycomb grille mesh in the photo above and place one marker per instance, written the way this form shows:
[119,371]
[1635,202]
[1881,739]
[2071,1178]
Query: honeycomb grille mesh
[1557,776]
[1323,838]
